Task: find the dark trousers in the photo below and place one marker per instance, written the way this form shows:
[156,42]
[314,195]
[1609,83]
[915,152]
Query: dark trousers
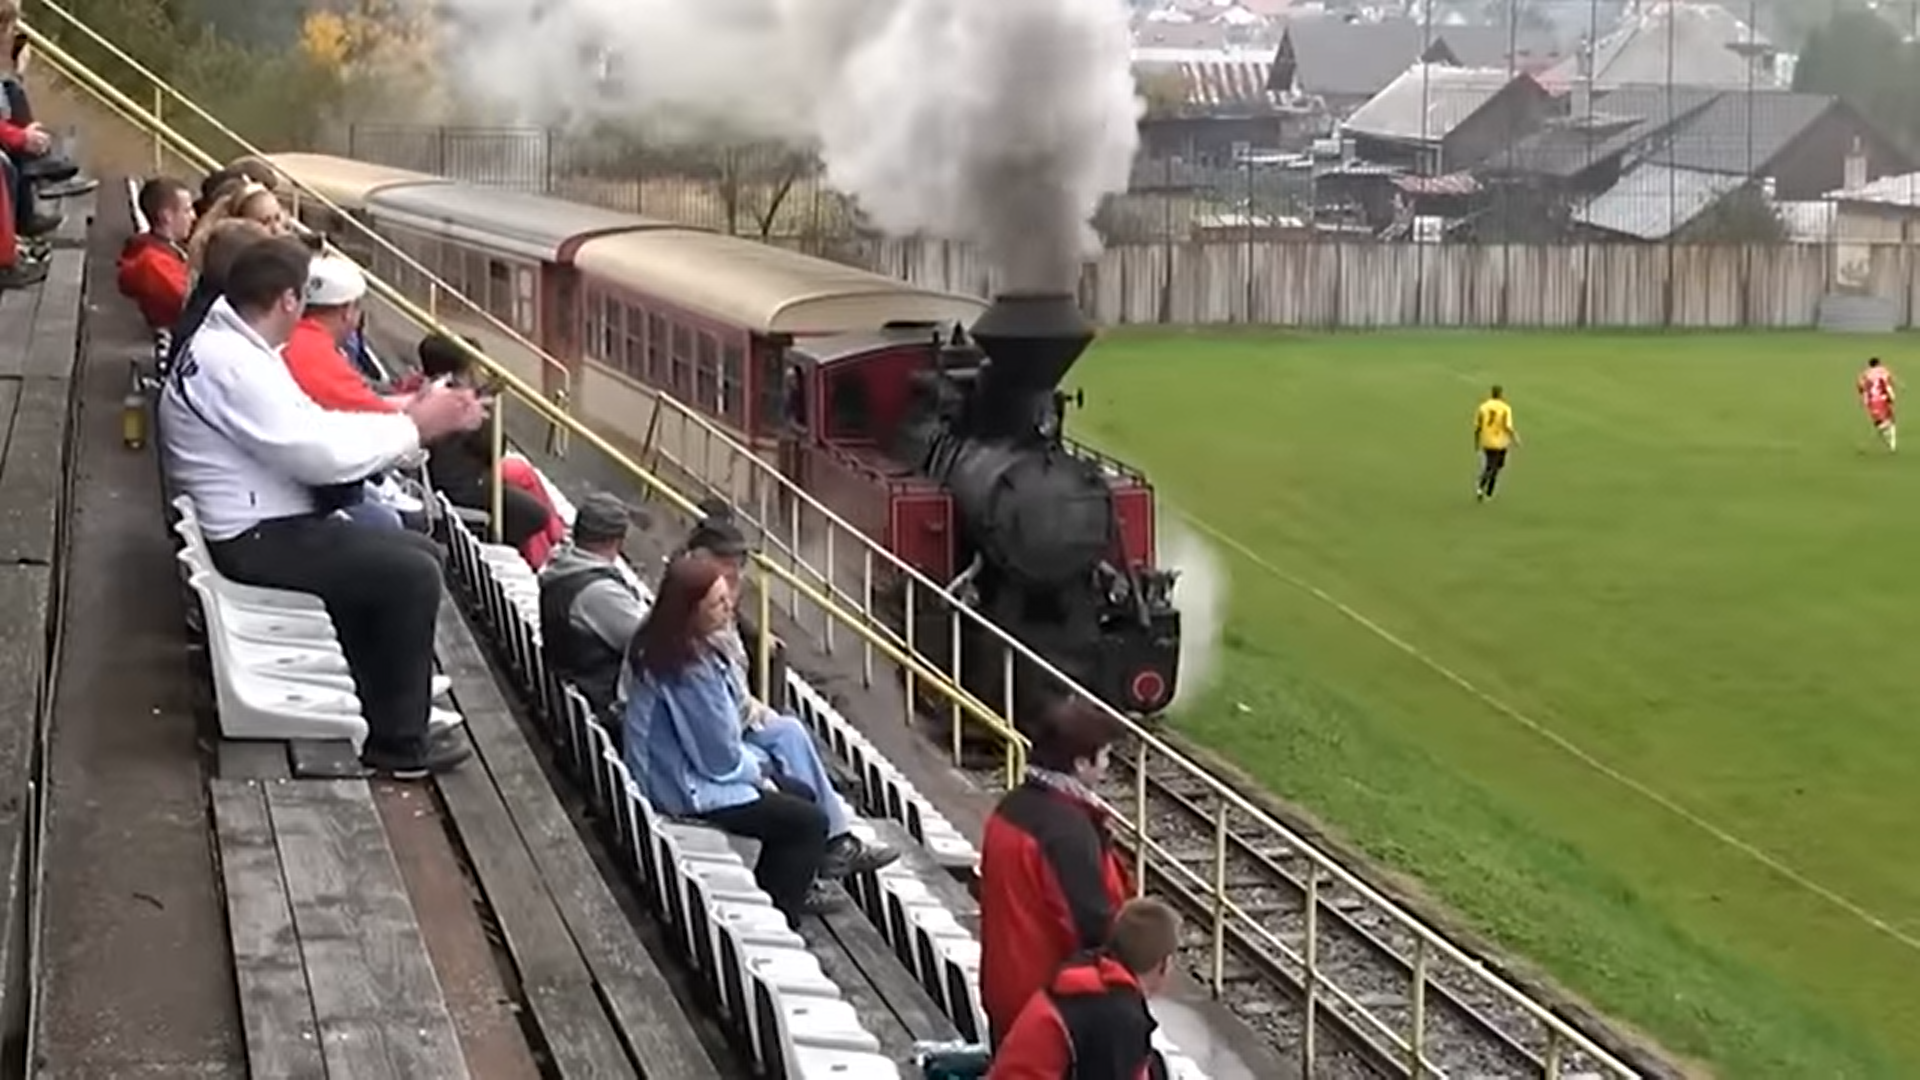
[382,590]
[521,515]
[18,109]
[793,840]
[19,188]
[1494,461]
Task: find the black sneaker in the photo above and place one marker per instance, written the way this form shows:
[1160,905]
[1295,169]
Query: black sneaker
[50,169]
[41,224]
[848,855]
[70,188]
[444,753]
[23,274]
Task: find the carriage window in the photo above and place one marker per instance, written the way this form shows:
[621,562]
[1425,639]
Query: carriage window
[733,378]
[681,376]
[633,358]
[590,324]
[656,342]
[791,385]
[498,297]
[706,392]
[523,317]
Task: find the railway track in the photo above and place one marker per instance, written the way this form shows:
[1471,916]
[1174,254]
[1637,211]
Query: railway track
[1376,984]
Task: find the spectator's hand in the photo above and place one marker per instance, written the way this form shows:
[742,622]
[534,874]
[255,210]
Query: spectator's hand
[440,410]
[38,140]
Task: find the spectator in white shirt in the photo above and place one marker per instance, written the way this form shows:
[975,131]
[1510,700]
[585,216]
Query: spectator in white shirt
[248,446]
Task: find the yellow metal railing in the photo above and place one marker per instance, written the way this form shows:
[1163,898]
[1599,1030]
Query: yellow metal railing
[838,609]
[163,92]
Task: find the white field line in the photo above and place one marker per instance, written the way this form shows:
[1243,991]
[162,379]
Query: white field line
[1658,798]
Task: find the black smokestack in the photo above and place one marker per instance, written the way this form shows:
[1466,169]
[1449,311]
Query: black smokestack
[1031,339]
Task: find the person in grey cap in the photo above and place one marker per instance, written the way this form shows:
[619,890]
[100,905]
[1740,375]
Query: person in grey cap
[589,608]
[779,740]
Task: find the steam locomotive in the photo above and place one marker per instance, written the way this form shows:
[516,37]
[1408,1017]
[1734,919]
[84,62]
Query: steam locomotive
[963,434]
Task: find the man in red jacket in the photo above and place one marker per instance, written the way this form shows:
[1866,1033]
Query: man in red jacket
[1091,1022]
[1050,879]
[153,265]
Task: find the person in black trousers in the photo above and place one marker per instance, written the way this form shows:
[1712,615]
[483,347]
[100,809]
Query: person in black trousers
[684,745]
[462,465]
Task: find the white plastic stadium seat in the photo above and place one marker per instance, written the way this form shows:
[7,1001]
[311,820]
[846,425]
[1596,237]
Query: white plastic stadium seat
[256,706]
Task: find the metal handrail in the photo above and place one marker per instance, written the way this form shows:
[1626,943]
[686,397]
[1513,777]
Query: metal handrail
[161,86]
[864,623]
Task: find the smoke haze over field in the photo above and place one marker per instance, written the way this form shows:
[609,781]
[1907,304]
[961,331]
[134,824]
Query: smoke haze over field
[1200,593]
[999,122]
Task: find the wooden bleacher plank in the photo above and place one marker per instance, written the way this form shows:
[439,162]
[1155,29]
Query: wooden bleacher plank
[275,1007]
[553,974]
[55,341]
[877,963]
[34,472]
[655,1024]
[375,996]
[24,592]
[251,759]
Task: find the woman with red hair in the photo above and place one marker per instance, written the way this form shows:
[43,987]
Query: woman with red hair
[683,742]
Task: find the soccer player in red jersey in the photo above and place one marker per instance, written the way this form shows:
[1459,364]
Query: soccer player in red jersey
[1876,393]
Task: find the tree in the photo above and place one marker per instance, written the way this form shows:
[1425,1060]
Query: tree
[1164,90]
[379,52]
[1860,57]
[1744,216]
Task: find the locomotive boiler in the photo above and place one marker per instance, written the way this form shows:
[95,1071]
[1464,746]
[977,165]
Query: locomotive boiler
[1039,542]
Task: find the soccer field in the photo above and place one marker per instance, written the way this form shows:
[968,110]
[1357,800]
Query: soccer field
[1649,718]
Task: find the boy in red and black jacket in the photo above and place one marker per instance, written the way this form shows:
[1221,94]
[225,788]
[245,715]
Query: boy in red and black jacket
[1050,879]
[153,270]
[1091,1022]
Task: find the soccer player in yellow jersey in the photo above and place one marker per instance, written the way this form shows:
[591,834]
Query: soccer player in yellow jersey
[1493,436]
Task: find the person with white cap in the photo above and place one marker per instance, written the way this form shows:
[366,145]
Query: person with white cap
[249,448]
[316,356]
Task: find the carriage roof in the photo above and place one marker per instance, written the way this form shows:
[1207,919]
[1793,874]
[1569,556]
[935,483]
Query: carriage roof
[516,222]
[764,288]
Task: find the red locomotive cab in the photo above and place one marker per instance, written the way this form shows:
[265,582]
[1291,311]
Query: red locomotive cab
[850,393]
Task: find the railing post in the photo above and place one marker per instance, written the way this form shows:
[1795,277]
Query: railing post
[866,589]
[1218,964]
[1417,1038]
[764,601]
[954,716]
[557,433]
[826,579]
[1554,1052]
[1311,1023]
[793,555]
[497,525]
[907,669]
[159,145]
[1140,816]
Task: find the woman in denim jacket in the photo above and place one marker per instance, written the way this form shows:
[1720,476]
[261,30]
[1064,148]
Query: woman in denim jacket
[683,741]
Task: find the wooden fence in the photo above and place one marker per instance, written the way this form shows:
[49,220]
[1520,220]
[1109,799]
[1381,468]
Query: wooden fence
[1366,285]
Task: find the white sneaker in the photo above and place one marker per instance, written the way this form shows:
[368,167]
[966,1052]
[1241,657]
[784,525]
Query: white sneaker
[442,687]
[440,720]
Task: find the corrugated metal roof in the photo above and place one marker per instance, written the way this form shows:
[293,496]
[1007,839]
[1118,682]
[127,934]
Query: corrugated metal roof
[1450,184]
[1902,191]
[1216,83]
[1427,101]
[1686,44]
[1652,202]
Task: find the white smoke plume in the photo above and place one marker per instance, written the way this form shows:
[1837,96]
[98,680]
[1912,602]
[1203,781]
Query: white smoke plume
[1200,593]
[999,122]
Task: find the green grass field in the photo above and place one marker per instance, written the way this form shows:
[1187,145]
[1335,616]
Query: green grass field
[1649,718]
